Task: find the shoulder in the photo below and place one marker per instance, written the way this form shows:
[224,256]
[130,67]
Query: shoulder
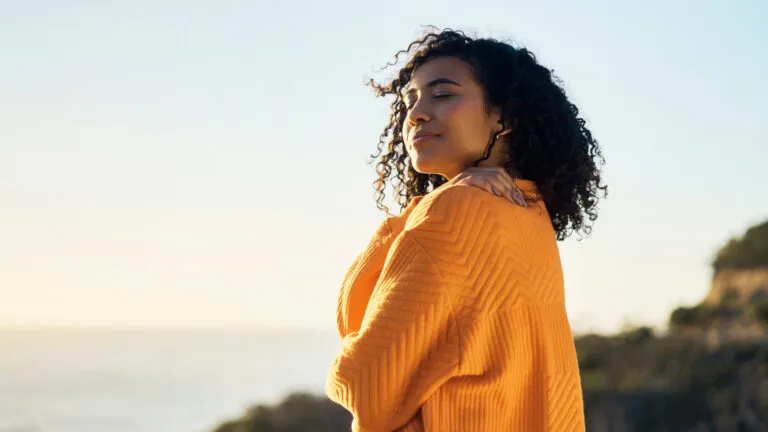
[457,204]
[459,193]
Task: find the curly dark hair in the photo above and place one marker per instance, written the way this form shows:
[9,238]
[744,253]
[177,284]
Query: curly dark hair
[549,144]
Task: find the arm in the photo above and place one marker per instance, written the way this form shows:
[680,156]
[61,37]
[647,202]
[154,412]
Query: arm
[360,280]
[407,346]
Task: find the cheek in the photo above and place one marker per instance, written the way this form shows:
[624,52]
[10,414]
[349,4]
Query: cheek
[465,122]
[450,114]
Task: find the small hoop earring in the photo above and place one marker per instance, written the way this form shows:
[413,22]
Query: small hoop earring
[504,130]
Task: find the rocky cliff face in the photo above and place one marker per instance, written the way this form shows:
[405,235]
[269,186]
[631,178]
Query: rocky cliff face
[736,306]
[735,309]
[737,287]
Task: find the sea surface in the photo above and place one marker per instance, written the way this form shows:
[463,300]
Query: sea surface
[151,380]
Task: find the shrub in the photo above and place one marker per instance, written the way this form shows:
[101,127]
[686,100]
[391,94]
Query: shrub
[748,251]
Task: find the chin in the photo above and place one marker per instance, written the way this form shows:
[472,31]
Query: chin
[423,165]
[426,167]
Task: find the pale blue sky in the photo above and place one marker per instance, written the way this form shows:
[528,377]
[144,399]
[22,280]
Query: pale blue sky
[203,163]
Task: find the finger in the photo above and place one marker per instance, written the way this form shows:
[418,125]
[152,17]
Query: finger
[503,176]
[493,184]
[458,178]
[481,182]
[517,197]
[497,184]
[512,191]
[502,180]
[488,179]
[475,176]
[494,180]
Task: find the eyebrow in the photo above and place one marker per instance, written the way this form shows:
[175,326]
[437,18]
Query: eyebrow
[435,82]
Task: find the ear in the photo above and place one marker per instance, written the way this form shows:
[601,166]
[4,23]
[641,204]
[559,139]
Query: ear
[501,125]
[503,128]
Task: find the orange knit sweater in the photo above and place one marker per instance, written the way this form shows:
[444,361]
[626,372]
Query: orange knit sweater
[453,320]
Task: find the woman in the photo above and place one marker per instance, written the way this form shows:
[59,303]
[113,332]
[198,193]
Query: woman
[453,318]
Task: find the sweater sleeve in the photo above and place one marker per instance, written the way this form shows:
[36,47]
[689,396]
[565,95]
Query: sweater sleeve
[407,345]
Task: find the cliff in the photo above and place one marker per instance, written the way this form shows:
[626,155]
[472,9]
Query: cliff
[736,306]
[737,287]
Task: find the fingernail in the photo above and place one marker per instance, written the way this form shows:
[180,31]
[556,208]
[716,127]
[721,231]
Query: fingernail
[520,199]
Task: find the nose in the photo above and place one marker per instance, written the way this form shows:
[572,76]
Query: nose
[418,113]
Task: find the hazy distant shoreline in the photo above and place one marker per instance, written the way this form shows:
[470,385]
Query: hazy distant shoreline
[76,379]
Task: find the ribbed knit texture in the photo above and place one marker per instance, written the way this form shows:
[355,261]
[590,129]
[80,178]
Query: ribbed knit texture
[453,320]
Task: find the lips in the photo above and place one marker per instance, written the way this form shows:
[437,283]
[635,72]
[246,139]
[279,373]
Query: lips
[422,136]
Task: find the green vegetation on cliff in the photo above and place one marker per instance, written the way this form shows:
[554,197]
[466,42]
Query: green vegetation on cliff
[298,412]
[747,251]
[639,382]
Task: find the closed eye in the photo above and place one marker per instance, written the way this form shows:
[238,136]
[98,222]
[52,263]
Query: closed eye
[408,106]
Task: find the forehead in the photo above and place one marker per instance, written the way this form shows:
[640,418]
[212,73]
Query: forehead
[441,67]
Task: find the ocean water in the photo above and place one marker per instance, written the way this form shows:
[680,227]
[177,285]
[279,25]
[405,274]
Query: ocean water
[151,380]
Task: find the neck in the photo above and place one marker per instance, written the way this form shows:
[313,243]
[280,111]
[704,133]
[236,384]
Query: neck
[512,171]
[497,161]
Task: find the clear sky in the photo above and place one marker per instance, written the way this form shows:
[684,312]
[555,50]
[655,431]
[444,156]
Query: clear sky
[204,163]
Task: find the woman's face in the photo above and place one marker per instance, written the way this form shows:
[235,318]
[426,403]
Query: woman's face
[448,127]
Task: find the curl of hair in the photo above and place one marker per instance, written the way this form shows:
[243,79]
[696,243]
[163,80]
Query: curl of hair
[549,144]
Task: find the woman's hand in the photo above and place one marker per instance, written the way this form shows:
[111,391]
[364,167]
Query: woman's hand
[495,180]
